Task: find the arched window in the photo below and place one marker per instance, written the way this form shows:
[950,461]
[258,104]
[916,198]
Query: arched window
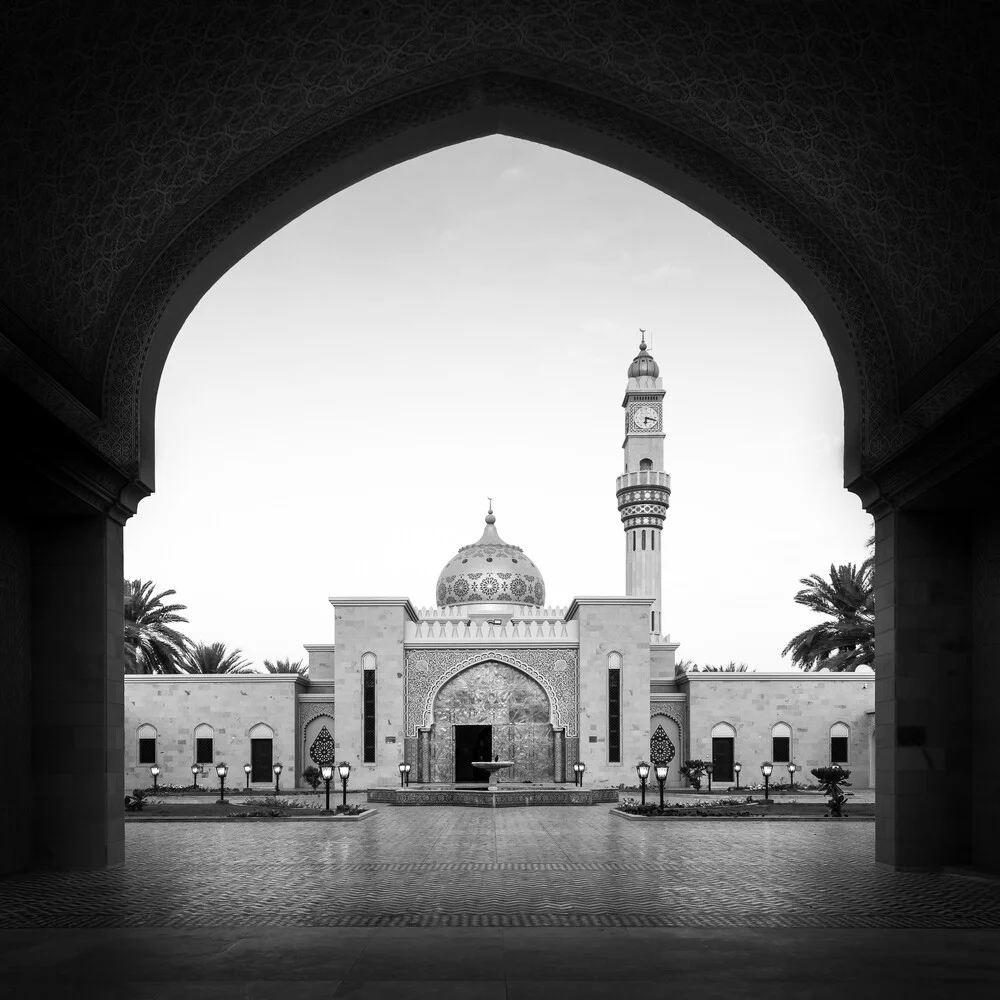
[652,540]
[643,539]
[204,744]
[645,464]
[781,743]
[840,737]
[261,753]
[146,737]
[614,708]
[369,661]
[723,751]
[633,541]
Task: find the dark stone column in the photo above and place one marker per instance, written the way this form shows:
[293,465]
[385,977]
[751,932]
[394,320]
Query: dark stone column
[925,751]
[423,754]
[15,685]
[559,753]
[77,639]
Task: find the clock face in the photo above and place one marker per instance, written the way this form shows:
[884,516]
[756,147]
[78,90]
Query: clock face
[645,418]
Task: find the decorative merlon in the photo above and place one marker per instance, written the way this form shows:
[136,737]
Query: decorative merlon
[515,631]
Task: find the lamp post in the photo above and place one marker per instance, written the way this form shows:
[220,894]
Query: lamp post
[277,776]
[406,771]
[246,771]
[765,769]
[222,770]
[792,768]
[661,777]
[345,772]
[579,767]
[194,775]
[737,767]
[402,774]
[642,769]
[155,772]
[708,770]
[327,771]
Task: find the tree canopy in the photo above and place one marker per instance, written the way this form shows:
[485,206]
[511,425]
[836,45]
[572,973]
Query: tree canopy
[152,646]
[846,640]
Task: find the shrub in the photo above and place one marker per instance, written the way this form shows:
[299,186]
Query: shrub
[693,771]
[830,780]
[313,776]
[135,801]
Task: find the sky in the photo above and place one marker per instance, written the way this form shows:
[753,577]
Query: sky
[338,407]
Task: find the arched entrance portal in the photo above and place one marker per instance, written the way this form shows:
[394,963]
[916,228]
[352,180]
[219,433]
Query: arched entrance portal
[492,708]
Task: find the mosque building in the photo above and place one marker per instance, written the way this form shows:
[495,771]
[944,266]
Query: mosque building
[494,671]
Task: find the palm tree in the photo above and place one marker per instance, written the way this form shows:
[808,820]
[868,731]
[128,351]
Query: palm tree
[151,646]
[690,667]
[286,667]
[214,658]
[847,641]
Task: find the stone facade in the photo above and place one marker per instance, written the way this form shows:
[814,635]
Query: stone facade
[752,703]
[587,683]
[175,704]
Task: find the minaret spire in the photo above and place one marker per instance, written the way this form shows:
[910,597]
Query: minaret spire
[644,489]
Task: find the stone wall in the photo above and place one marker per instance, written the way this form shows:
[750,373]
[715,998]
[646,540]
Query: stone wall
[809,703]
[370,625]
[176,703]
[619,625]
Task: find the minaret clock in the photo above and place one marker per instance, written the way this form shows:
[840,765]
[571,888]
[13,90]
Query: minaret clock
[644,488]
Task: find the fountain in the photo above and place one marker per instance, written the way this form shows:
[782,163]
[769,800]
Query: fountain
[494,767]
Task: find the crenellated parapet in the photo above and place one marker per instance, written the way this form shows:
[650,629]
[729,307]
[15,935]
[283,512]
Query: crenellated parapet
[510,631]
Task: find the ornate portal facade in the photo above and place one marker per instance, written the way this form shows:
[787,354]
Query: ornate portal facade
[493,671]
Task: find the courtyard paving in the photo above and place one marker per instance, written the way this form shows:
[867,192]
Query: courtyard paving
[503,899]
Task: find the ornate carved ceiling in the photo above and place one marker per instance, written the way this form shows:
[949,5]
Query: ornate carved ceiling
[856,134]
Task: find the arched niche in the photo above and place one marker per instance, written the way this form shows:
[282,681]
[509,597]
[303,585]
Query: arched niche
[515,707]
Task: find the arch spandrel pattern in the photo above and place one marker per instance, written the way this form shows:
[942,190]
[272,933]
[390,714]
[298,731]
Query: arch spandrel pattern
[675,712]
[226,103]
[428,670]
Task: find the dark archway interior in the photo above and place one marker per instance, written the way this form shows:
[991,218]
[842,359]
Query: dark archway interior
[847,147]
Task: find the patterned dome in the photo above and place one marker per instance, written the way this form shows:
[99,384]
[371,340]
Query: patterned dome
[490,572]
[643,363]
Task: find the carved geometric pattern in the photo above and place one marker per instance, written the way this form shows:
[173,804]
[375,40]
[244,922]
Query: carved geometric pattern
[661,748]
[685,149]
[672,711]
[313,710]
[323,750]
[427,670]
[160,195]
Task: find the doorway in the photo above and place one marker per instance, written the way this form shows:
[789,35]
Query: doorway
[722,758]
[472,743]
[261,757]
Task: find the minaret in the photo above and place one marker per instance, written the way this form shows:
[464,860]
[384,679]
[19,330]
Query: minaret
[644,489]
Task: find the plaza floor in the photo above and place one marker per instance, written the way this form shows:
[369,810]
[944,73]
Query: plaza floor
[500,903]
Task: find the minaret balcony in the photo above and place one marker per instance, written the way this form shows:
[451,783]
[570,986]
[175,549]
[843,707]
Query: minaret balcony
[633,480]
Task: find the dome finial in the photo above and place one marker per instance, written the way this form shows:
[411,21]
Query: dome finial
[642,340]
[490,519]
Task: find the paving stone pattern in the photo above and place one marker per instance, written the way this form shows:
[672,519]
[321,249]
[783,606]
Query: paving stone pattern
[452,867]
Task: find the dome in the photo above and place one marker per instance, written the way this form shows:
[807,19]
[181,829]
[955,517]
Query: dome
[490,572]
[643,363]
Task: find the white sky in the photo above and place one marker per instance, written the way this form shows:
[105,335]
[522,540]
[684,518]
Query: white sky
[338,407]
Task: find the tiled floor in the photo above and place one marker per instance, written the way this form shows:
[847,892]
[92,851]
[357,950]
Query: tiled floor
[498,905]
[451,867]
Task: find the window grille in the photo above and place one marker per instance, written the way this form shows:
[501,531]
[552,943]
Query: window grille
[204,750]
[147,750]
[614,709]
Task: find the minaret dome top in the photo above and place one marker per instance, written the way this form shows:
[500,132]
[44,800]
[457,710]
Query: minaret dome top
[643,363]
